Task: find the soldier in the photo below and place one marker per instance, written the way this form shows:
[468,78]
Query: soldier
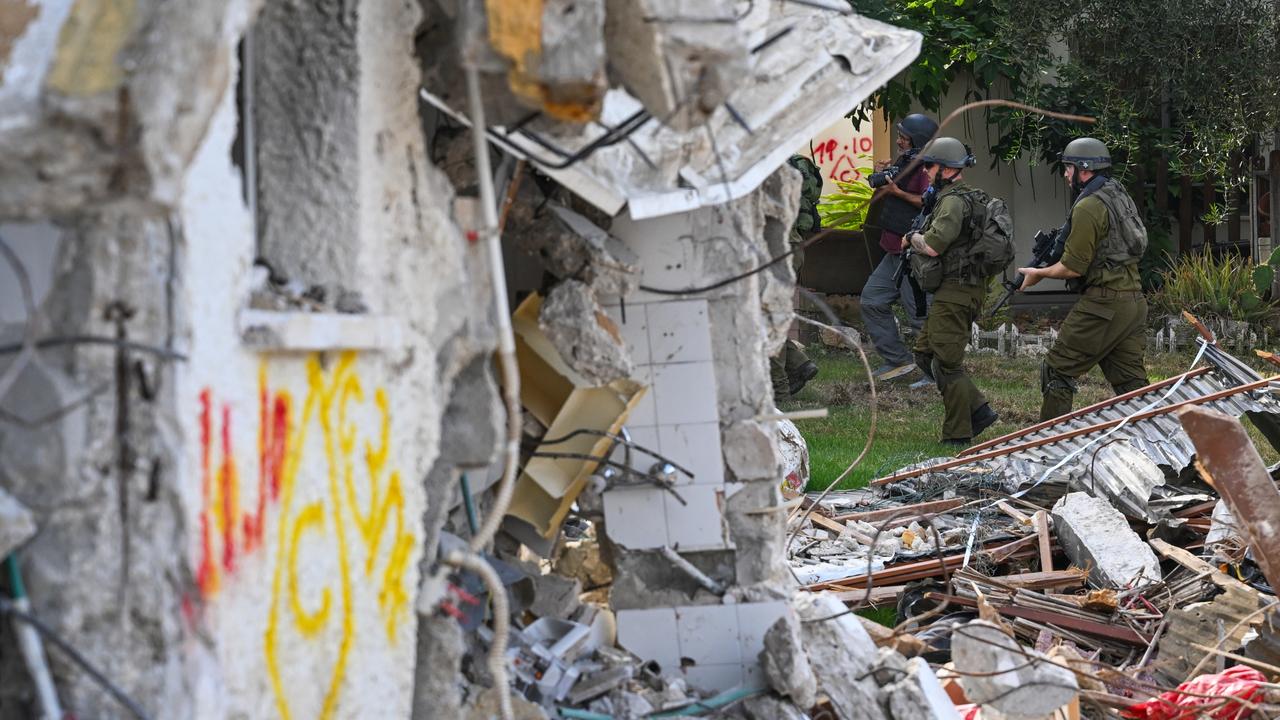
[942,265]
[900,196]
[1105,239]
[791,369]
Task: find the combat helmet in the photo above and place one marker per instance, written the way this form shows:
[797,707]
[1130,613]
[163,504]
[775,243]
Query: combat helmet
[948,152]
[917,127]
[1087,153]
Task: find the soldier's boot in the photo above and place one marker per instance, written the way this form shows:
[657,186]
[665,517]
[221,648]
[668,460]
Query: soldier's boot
[1059,392]
[800,369]
[1129,386]
[778,376]
[983,418]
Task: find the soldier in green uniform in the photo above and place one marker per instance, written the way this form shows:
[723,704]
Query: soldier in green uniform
[1105,241]
[941,259]
[791,368]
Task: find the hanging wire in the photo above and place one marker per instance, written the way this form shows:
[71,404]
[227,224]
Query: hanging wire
[7,607]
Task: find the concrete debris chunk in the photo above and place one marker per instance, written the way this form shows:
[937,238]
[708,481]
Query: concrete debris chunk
[17,524]
[1096,536]
[675,57]
[588,339]
[998,672]
[555,596]
[768,707]
[918,694]
[571,246]
[785,664]
[841,655]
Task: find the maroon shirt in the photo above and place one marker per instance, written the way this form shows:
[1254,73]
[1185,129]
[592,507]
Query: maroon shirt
[891,242]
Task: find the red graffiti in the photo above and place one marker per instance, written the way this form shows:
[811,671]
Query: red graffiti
[222,520]
[206,572]
[229,486]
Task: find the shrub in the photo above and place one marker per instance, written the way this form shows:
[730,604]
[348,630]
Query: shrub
[1227,288]
[846,210]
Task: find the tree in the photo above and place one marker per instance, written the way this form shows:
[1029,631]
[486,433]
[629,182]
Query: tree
[1192,81]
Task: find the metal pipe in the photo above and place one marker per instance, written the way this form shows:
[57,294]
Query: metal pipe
[502,317]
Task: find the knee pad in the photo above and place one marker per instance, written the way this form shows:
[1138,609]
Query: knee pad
[1051,379]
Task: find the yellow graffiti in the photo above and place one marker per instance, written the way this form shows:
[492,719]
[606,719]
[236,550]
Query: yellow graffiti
[308,623]
[329,397]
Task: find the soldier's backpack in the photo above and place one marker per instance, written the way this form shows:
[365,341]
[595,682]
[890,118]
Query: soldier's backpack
[1126,239]
[991,227]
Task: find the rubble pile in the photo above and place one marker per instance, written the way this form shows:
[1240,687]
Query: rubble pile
[1119,561]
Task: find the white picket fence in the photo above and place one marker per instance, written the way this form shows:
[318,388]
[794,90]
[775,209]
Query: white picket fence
[1174,335]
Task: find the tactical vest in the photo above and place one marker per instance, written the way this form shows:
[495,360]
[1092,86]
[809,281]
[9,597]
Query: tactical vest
[956,261]
[896,214]
[1126,239]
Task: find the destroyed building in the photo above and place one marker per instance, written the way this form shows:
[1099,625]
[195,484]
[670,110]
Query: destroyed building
[408,358]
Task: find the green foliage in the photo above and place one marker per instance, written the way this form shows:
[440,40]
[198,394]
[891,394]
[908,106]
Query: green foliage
[846,210]
[961,36]
[1225,288]
[1193,80]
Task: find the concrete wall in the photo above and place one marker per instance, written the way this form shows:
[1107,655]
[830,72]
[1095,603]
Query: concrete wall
[249,545]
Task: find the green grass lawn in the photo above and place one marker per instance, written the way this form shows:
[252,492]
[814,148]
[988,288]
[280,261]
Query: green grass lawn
[910,421]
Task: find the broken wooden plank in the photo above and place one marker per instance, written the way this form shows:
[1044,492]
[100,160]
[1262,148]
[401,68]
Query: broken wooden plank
[1233,466]
[1013,512]
[880,595]
[906,513]
[1195,564]
[1041,521]
[1089,627]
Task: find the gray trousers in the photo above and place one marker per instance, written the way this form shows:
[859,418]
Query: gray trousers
[878,297]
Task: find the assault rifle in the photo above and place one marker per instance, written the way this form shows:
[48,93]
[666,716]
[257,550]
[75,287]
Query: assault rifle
[930,199]
[1046,251]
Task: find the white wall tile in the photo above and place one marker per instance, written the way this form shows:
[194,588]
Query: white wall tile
[686,393]
[646,437]
[697,448]
[714,678]
[635,517]
[679,331]
[697,525]
[651,634]
[645,412]
[754,620]
[708,634]
[635,330]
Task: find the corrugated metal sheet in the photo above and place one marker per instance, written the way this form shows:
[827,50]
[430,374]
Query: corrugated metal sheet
[1127,465]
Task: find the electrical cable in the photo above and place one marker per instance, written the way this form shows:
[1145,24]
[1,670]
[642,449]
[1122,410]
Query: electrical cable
[7,607]
[501,622]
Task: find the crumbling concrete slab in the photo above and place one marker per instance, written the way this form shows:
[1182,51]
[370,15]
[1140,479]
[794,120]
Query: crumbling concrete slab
[555,596]
[675,57]
[1096,536]
[570,245]
[17,524]
[587,338]
[1000,673]
[918,694]
[768,707]
[841,654]
[785,664]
